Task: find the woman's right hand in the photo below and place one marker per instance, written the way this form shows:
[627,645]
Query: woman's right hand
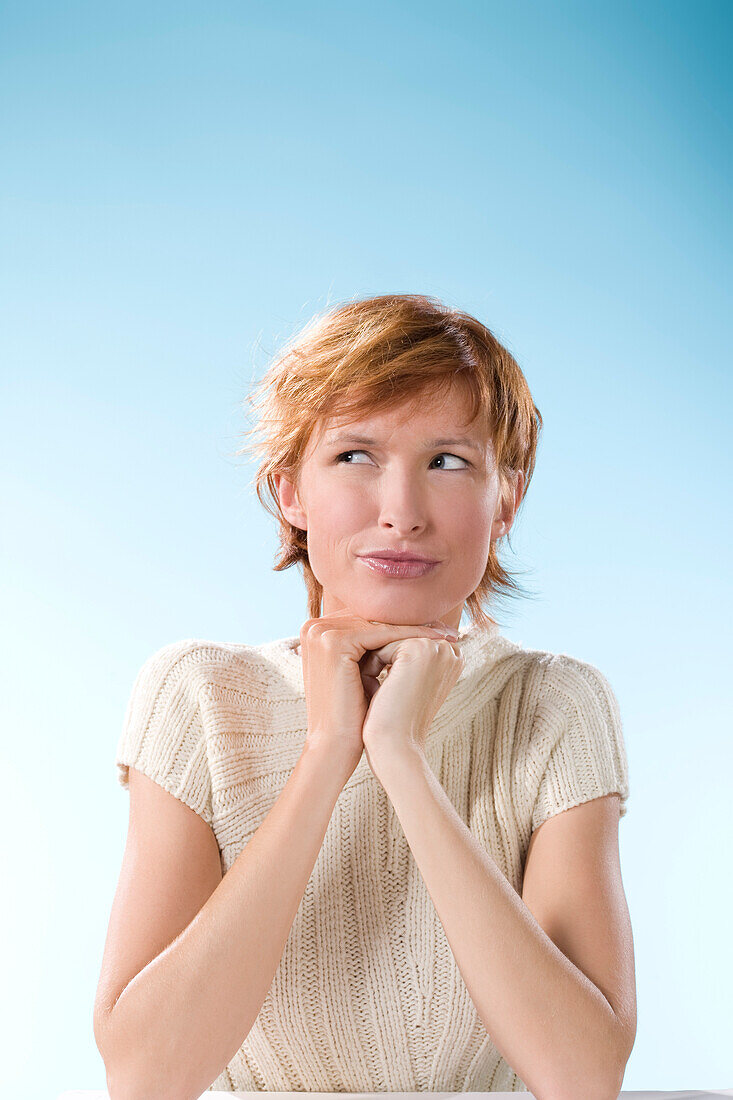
[335,650]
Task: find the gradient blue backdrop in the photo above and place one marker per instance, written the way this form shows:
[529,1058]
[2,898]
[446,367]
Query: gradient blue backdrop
[183,186]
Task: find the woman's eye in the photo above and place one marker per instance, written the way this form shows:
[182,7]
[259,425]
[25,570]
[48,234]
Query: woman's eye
[443,454]
[344,453]
[458,458]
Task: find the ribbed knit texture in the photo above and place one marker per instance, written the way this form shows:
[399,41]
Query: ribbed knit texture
[367,996]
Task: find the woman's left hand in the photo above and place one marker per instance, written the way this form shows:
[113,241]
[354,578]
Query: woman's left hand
[422,673]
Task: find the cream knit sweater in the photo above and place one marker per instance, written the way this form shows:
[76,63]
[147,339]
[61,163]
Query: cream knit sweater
[367,996]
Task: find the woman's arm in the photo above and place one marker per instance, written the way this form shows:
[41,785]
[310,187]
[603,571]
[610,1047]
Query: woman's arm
[549,1021]
[177,1023]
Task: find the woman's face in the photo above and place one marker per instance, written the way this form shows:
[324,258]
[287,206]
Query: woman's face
[401,491]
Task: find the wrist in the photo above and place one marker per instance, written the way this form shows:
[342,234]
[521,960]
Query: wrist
[392,761]
[334,765]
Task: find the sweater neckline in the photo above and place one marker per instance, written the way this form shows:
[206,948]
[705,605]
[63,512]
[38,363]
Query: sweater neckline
[483,649]
[478,646]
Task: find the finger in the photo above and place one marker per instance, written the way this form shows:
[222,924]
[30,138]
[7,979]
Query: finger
[365,635]
[385,654]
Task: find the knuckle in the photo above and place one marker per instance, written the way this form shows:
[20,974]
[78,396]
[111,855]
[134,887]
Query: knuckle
[329,640]
[308,631]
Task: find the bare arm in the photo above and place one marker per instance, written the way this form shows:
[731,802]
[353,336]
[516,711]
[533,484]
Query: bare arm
[180,1020]
[561,1022]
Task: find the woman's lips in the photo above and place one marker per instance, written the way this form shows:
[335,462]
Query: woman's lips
[390,567]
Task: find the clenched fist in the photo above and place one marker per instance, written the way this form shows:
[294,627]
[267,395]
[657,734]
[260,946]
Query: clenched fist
[340,659]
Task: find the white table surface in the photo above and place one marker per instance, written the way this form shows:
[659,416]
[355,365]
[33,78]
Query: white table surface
[96,1094]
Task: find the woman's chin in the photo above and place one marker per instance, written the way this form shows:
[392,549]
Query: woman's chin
[394,616]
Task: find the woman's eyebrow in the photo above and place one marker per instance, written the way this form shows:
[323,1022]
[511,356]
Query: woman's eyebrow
[344,437]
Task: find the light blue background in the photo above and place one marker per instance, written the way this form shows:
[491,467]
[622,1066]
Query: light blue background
[184,185]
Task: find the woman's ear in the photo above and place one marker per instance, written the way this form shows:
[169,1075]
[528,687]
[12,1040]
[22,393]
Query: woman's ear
[509,506]
[290,502]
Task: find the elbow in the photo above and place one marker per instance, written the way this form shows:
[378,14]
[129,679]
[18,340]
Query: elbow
[611,1091]
[599,1086]
[122,1085]
[129,1082]
[618,1084]
[608,1085]
[602,1077]
[607,1089]
[117,1087]
[129,1076]
[101,1029]
[627,1038]
[606,1092]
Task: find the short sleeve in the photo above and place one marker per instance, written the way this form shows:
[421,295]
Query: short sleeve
[162,732]
[580,721]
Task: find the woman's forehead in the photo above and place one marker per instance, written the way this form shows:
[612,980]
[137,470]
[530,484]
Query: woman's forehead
[431,416]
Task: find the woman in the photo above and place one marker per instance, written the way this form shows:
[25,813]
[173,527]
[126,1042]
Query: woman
[378,856]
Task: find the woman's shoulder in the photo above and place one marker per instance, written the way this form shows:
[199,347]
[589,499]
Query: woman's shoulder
[561,716]
[548,683]
[551,672]
[196,662]
[570,681]
[191,656]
